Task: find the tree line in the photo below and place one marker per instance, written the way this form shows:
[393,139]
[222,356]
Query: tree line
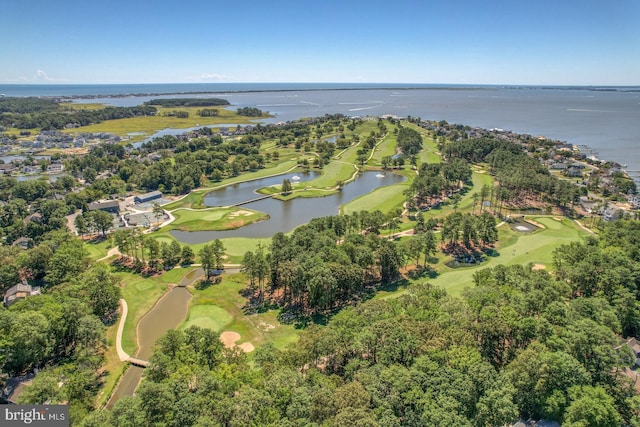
[188,102]
[322,265]
[522,179]
[520,344]
[57,118]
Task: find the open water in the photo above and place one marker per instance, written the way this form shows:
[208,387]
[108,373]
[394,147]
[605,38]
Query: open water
[607,119]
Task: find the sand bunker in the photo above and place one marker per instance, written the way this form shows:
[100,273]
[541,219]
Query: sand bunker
[229,339]
[239,213]
[539,266]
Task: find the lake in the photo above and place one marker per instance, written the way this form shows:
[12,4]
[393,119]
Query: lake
[284,216]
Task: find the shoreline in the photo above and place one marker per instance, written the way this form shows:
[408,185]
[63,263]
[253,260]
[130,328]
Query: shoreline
[338,87]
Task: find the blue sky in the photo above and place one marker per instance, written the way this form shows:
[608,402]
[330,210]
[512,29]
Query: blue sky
[561,42]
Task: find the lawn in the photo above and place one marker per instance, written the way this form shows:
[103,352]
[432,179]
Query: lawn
[208,316]
[384,199]
[140,128]
[213,219]
[513,248]
[141,294]
[386,148]
[235,247]
[97,249]
[221,308]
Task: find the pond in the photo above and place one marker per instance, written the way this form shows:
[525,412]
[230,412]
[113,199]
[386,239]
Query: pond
[169,312]
[241,192]
[284,216]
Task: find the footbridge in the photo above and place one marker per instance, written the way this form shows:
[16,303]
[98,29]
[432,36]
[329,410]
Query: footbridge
[138,362]
[246,202]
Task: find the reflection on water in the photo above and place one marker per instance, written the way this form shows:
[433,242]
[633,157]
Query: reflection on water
[238,193]
[284,216]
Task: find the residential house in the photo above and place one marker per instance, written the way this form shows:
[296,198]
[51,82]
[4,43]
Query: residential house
[34,217]
[613,214]
[19,291]
[55,168]
[588,205]
[22,242]
[634,345]
[559,166]
[7,168]
[30,169]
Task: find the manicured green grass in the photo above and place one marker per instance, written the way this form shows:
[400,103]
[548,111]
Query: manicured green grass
[235,247]
[386,148]
[384,199]
[221,307]
[150,124]
[214,219]
[98,249]
[208,316]
[429,146]
[141,294]
[513,248]
[336,170]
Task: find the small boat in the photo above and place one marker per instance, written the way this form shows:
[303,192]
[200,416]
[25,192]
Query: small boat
[295,178]
[379,175]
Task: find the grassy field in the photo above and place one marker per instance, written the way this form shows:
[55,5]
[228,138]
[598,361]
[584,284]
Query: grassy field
[221,308]
[513,248]
[429,153]
[384,199]
[97,249]
[213,219]
[386,148]
[139,128]
[141,294]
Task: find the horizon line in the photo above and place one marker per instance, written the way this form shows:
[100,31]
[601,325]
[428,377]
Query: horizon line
[590,85]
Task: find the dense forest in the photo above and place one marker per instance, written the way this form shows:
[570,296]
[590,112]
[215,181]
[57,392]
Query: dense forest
[31,113]
[521,343]
[188,102]
[62,331]
[250,112]
[522,178]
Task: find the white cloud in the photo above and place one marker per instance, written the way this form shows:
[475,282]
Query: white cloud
[41,75]
[207,77]
[213,76]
